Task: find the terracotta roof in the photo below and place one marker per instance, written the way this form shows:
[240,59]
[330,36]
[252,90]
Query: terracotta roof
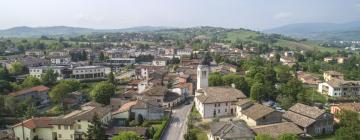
[29,90]
[125,107]
[220,94]
[349,106]
[156,91]
[231,130]
[305,110]
[257,111]
[42,122]
[274,130]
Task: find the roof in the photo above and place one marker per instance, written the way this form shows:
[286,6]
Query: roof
[349,106]
[156,91]
[257,111]
[41,122]
[29,90]
[298,119]
[274,130]
[220,94]
[125,107]
[231,130]
[305,110]
[333,73]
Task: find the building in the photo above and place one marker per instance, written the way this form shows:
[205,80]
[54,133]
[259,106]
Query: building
[38,94]
[312,120]
[120,61]
[289,53]
[336,109]
[72,126]
[62,71]
[329,75]
[162,96]
[255,114]
[339,87]
[36,53]
[185,51]
[58,53]
[217,101]
[90,72]
[60,60]
[160,61]
[277,129]
[308,78]
[202,76]
[230,131]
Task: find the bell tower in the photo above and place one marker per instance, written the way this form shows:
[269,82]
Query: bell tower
[202,76]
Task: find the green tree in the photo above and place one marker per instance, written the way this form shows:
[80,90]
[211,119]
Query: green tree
[4,73]
[59,92]
[5,87]
[30,111]
[127,135]
[263,137]
[17,68]
[74,84]
[190,135]
[349,126]
[288,137]
[96,130]
[49,77]
[215,79]
[242,85]
[30,82]
[256,92]
[111,78]
[102,92]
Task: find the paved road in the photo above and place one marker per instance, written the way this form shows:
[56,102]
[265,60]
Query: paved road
[177,124]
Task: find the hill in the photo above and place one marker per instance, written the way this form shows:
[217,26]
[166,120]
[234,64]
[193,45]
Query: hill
[24,31]
[321,31]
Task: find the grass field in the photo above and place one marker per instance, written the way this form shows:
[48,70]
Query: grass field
[309,46]
[329,137]
[315,96]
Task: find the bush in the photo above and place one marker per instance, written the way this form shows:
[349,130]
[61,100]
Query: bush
[159,131]
[133,123]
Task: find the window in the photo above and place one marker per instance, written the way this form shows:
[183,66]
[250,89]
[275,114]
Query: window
[59,135]
[59,127]
[226,104]
[225,110]
[215,105]
[71,127]
[78,120]
[79,126]
[218,110]
[66,127]
[34,130]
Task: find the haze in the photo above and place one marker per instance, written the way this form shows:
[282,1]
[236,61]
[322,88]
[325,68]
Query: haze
[105,14]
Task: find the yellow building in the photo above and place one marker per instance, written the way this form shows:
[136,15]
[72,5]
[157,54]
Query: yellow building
[71,126]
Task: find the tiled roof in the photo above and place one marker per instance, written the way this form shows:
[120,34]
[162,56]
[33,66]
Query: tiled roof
[231,130]
[125,107]
[41,122]
[156,91]
[257,111]
[298,119]
[274,130]
[220,94]
[305,110]
[29,90]
[350,106]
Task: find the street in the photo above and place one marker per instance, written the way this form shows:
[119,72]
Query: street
[177,125]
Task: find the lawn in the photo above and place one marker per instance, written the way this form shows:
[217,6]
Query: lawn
[314,96]
[241,34]
[328,137]
[309,46]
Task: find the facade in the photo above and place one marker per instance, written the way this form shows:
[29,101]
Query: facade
[120,61]
[72,126]
[162,96]
[36,53]
[217,101]
[37,72]
[202,76]
[39,94]
[89,72]
[336,109]
[255,114]
[230,131]
[329,75]
[312,120]
[339,87]
[160,62]
[60,60]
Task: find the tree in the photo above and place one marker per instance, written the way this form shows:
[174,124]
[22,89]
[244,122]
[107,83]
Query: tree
[49,78]
[74,84]
[288,137]
[215,79]
[5,87]
[190,135]
[127,135]
[242,85]
[17,68]
[96,130]
[111,78]
[59,92]
[102,92]
[30,82]
[30,111]
[256,91]
[349,126]
[263,137]
[4,73]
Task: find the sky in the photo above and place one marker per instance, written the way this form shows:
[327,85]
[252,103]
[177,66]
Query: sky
[115,14]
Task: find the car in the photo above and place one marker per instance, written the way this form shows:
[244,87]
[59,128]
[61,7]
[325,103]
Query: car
[187,102]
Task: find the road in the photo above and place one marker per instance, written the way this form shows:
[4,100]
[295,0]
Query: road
[177,125]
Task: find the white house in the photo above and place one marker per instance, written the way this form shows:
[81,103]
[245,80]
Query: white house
[60,60]
[90,72]
[39,71]
[160,62]
[217,101]
[340,87]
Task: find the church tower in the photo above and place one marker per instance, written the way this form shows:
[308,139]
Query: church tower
[202,76]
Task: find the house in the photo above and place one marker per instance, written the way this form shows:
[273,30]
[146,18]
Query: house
[60,60]
[230,131]
[337,108]
[289,53]
[308,78]
[90,72]
[217,101]
[163,96]
[329,75]
[39,94]
[137,85]
[339,87]
[277,129]
[36,53]
[62,71]
[160,61]
[255,114]
[58,53]
[67,127]
[312,120]
[290,61]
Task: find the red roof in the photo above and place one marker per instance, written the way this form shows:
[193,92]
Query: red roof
[42,122]
[29,90]
[125,107]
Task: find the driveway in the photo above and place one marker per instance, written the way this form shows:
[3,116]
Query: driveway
[177,126]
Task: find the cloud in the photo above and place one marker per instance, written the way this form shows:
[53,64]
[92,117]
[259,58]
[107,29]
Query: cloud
[282,15]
